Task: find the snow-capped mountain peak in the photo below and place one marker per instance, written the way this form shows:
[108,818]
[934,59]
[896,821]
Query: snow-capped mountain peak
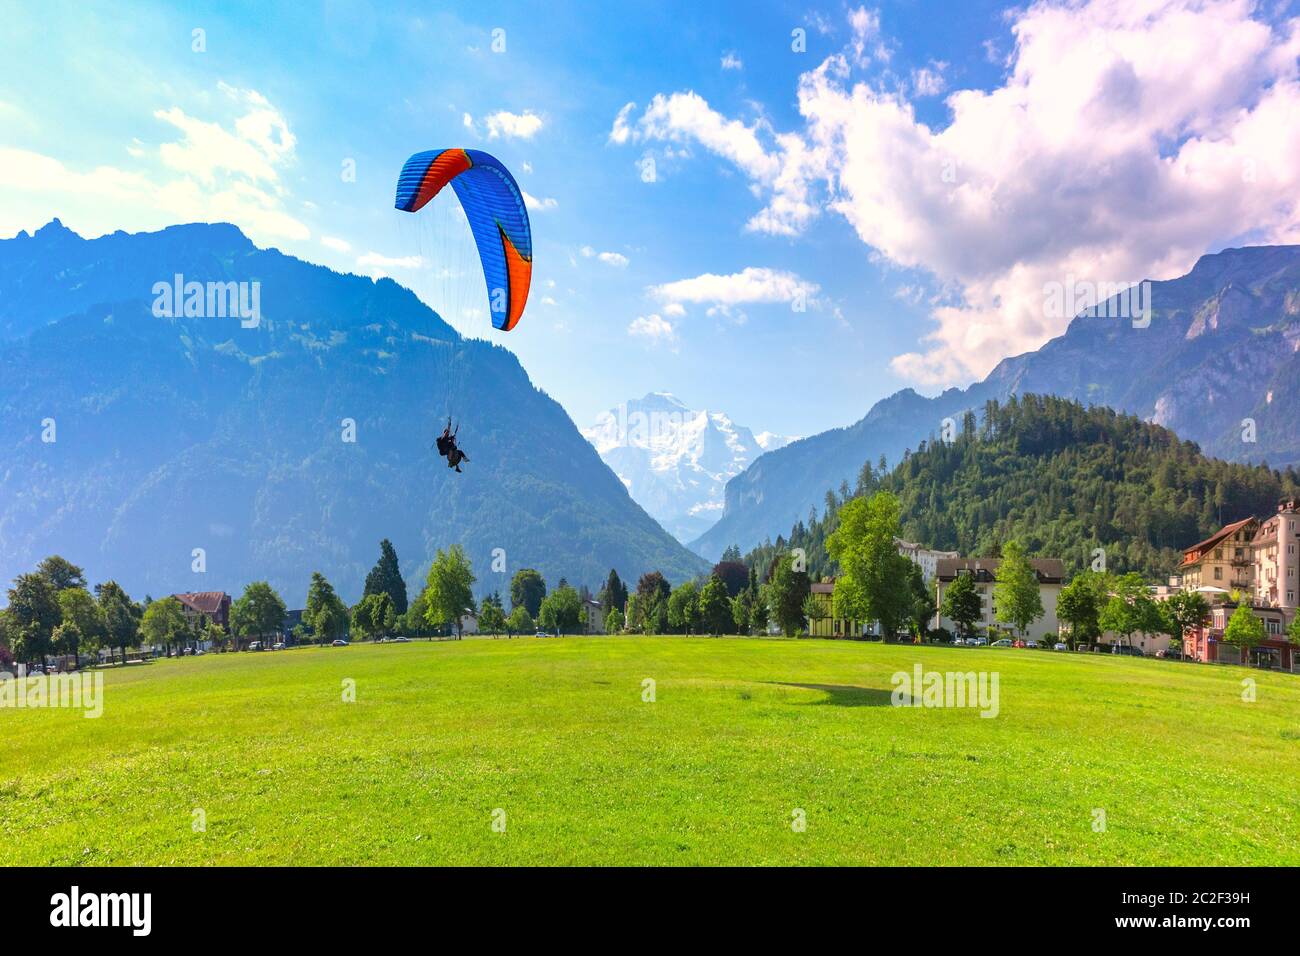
[675,460]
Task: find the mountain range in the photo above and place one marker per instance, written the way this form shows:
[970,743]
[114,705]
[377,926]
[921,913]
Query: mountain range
[185,453]
[675,461]
[1217,363]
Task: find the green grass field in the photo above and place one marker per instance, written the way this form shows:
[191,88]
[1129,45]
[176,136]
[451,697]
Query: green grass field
[743,732]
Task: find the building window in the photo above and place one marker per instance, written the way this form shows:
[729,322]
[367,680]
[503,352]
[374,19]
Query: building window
[1218,573]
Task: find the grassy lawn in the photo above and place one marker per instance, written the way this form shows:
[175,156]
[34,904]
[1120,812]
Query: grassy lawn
[743,732]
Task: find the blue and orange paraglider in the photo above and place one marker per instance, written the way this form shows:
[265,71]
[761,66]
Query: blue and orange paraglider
[494,207]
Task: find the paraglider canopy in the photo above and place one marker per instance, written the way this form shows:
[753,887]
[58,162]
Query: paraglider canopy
[494,207]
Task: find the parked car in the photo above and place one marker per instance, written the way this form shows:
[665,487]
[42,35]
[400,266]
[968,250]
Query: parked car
[959,641]
[401,640]
[1004,642]
[542,633]
[1033,644]
[338,643]
[978,642]
[1126,650]
[278,646]
[1058,646]
[255,646]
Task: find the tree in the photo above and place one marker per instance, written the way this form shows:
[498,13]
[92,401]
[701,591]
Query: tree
[759,611]
[561,611]
[734,575]
[657,617]
[715,606]
[1129,608]
[1015,589]
[520,622]
[1245,630]
[61,573]
[636,614]
[6,641]
[362,618]
[383,615]
[164,623]
[491,617]
[742,606]
[258,612]
[121,616]
[684,608]
[653,586]
[921,609]
[76,606]
[1293,633]
[613,596]
[786,593]
[961,604]
[613,621]
[1187,611]
[33,615]
[214,634]
[1079,605]
[386,578]
[325,614]
[67,639]
[873,584]
[527,589]
[449,589]
[815,611]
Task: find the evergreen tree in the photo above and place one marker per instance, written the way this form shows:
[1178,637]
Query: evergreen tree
[386,577]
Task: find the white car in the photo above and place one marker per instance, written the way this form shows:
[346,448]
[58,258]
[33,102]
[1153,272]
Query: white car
[959,641]
[1058,646]
[978,642]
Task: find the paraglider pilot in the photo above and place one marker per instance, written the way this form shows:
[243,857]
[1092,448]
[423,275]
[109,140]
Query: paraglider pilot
[447,447]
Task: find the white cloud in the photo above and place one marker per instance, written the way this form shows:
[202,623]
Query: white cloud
[655,329]
[213,173]
[338,245]
[620,133]
[929,81]
[524,125]
[379,266]
[1126,140]
[732,62]
[609,258]
[261,142]
[786,169]
[538,205]
[675,309]
[750,286]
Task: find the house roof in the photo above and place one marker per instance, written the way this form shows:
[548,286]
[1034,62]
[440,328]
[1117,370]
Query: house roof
[204,602]
[820,588]
[1050,570]
[1193,554]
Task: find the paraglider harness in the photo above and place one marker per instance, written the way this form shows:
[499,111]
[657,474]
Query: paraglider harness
[446,443]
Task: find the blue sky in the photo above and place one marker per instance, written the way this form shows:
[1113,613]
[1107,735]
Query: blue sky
[916,173]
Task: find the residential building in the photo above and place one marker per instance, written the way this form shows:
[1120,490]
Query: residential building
[1223,560]
[1207,645]
[829,625]
[926,558]
[1050,573]
[1275,559]
[593,617]
[204,607]
[1252,562]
